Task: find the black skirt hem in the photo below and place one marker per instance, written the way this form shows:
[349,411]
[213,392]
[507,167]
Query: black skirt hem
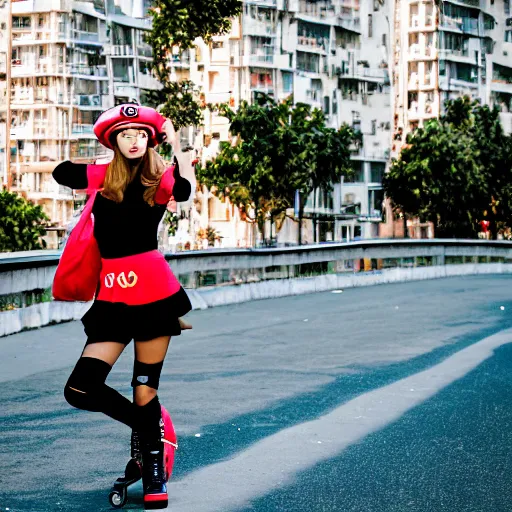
[117,321]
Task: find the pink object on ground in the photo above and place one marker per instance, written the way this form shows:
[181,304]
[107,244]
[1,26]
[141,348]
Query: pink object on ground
[170,443]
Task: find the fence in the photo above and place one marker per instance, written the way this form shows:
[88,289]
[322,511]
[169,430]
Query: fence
[220,277]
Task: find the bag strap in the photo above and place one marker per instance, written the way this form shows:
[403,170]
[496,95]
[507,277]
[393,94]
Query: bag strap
[96,176]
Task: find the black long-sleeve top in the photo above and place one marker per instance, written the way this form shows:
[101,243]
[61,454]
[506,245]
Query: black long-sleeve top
[126,228]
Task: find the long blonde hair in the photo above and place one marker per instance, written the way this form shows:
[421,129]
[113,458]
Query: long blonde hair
[120,174]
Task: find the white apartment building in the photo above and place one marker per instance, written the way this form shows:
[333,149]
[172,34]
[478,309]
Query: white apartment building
[382,66]
[70,61]
[332,54]
[442,50]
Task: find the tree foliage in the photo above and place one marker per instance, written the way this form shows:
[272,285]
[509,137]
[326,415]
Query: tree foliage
[176,24]
[455,171]
[277,149]
[21,224]
[180,22]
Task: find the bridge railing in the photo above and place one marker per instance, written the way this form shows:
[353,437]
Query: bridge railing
[222,276]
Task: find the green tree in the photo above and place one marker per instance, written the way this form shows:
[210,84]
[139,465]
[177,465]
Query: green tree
[277,149]
[21,224]
[176,25]
[454,171]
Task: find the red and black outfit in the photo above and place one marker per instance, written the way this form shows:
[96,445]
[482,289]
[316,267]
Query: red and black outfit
[138,295]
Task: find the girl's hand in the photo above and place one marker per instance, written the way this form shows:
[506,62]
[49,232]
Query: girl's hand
[173,137]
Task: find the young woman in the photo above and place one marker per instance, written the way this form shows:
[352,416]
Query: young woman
[138,296]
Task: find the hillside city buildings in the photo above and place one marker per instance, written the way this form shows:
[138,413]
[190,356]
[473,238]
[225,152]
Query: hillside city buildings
[382,66]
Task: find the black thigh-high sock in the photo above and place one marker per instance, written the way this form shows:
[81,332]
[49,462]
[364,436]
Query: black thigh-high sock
[86,389]
[147,421]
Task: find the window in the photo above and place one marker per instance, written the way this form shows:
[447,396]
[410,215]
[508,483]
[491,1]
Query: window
[327,105]
[377,171]
[21,22]
[384,42]
[262,49]
[309,62]
[374,127]
[370,25]
[217,44]
[287,82]
[375,200]
[358,175]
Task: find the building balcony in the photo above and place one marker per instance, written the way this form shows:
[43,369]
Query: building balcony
[37,130]
[30,66]
[468,3]
[313,44]
[81,36]
[183,60]
[252,27]
[321,10]
[350,23]
[89,71]
[121,50]
[31,6]
[419,52]
[216,98]
[148,82]
[417,111]
[144,51]
[36,97]
[262,3]
[364,74]
[82,129]
[422,23]
[261,61]
[417,84]
[461,25]
[88,100]
[501,85]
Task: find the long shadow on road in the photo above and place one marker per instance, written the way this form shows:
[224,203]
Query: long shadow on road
[450,454]
[219,442]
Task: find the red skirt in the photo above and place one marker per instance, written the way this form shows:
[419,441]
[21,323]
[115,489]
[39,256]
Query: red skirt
[139,298]
[135,280]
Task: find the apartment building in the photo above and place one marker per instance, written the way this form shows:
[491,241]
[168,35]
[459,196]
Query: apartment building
[70,61]
[442,50]
[332,54]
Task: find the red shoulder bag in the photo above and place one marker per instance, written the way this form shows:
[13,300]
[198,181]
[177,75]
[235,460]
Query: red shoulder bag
[78,272]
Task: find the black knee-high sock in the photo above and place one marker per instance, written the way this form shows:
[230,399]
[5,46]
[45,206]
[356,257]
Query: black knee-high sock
[86,389]
[147,421]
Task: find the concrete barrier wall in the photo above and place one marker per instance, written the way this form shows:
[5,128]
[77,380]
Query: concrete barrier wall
[24,272]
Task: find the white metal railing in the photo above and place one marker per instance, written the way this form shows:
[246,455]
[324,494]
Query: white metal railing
[197,269]
[82,129]
[121,50]
[87,100]
[82,35]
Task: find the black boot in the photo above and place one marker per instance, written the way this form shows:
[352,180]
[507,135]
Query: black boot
[153,476]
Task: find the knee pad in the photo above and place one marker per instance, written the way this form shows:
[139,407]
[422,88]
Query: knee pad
[85,383]
[147,374]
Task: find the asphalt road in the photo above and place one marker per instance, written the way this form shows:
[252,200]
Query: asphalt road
[387,398]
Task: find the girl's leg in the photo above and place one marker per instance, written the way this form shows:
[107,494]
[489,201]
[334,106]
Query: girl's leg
[86,388]
[149,357]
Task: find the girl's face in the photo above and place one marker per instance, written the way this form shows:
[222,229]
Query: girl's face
[132,142]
